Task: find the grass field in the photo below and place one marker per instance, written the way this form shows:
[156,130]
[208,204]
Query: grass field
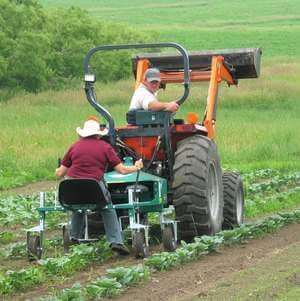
[258,122]
[272,25]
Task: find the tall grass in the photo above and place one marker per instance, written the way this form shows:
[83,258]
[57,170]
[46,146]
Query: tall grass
[257,123]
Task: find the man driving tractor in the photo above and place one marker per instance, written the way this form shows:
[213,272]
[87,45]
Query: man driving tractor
[144,97]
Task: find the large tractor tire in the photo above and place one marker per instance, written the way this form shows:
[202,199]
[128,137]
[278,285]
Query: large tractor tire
[197,187]
[233,192]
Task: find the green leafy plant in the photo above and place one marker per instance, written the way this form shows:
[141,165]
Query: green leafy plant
[16,280]
[6,237]
[103,287]
[130,275]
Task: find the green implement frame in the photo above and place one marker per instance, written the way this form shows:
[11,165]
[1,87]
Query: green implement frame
[143,193]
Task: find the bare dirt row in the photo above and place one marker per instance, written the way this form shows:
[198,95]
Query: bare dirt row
[205,278]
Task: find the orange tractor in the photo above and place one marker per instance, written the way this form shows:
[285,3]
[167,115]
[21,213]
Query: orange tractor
[184,154]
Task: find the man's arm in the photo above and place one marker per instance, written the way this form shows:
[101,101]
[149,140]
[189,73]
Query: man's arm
[123,169]
[160,106]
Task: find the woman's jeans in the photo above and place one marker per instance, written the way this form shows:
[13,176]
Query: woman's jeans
[110,220]
[111,225]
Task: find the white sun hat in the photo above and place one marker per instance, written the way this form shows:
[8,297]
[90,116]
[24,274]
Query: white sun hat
[91,127]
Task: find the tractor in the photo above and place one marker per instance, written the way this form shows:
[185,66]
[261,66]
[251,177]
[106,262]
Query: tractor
[184,154]
[182,179]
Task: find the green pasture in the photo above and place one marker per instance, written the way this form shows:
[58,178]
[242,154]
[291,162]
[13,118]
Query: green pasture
[257,126]
[202,24]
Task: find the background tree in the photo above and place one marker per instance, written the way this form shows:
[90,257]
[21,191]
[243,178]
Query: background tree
[41,50]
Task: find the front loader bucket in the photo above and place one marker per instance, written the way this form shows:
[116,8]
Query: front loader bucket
[244,61]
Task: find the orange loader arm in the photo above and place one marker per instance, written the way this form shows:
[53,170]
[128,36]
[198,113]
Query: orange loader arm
[219,72]
[142,66]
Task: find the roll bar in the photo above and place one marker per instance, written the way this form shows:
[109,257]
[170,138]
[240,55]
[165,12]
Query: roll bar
[90,78]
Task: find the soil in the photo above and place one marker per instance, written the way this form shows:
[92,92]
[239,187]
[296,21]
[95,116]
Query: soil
[232,273]
[31,188]
[261,269]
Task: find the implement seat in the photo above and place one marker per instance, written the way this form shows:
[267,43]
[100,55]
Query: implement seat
[81,194]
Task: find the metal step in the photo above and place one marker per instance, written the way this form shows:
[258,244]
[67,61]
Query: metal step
[244,61]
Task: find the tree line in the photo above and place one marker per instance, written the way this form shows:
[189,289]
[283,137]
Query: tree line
[44,49]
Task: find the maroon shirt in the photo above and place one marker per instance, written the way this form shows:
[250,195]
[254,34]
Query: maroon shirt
[89,157]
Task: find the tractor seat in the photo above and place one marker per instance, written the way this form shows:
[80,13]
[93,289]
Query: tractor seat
[81,194]
[142,117]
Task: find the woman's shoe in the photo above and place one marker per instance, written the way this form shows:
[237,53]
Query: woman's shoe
[121,249]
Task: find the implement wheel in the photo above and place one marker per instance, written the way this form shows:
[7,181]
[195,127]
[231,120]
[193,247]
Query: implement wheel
[168,239]
[139,247]
[197,185]
[66,238]
[233,200]
[34,248]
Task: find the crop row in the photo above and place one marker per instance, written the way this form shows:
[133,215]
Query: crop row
[259,174]
[274,184]
[21,209]
[253,207]
[18,250]
[118,279]
[273,203]
[80,257]
[111,285]
[18,210]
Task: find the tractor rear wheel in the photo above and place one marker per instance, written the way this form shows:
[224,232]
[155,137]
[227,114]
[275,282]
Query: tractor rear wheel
[233,200]
[197,186]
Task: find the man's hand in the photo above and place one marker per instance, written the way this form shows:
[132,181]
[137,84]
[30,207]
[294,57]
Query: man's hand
[124,169]
[139,164]
[61,171]
[172,106]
